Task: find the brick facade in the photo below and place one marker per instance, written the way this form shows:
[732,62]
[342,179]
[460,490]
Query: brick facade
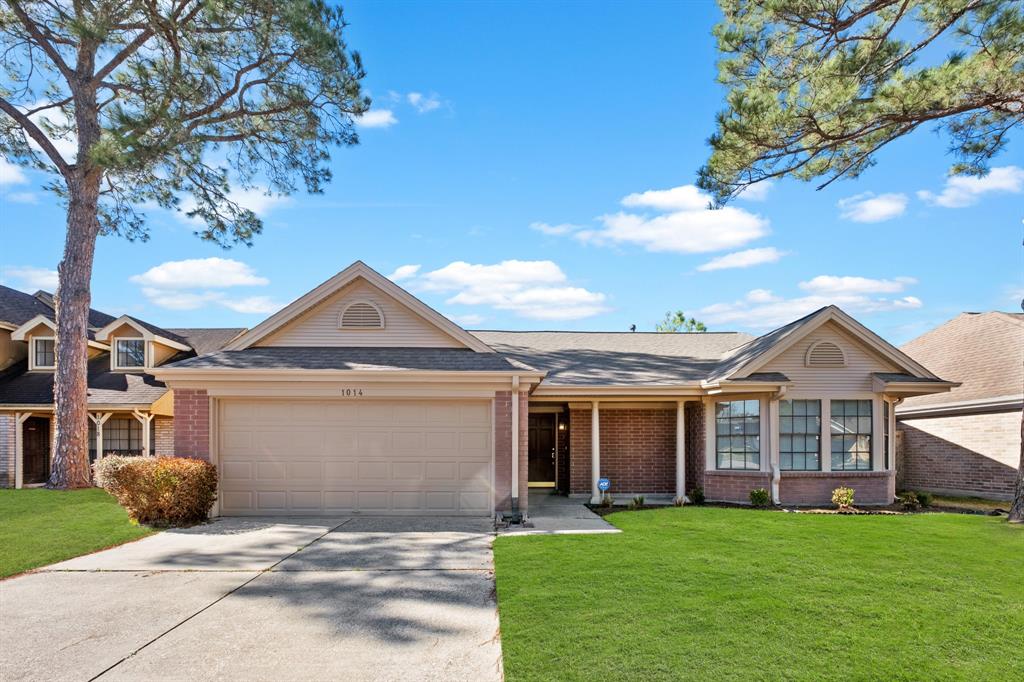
[695,457]
[503,450]
[163,436]
[191,423]
[973,454]
[815,487]
[7,423]
[734,486]
[564,452]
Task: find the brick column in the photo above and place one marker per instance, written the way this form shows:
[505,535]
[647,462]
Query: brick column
[191,423]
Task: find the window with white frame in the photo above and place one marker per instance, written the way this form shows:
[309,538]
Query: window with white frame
[885,431]
[851,435]
[738,434]
[129,353]
[45,355]
[800,435]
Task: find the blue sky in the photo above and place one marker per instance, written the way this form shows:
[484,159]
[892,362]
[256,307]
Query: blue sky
[533,161]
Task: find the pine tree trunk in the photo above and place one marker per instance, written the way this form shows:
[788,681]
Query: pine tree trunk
[69,466]
[1017,510]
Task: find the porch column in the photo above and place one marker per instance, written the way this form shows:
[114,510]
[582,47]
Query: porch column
[19,447]
[99,420]
[595,452]
[145,418]
[515,443]
[681,449]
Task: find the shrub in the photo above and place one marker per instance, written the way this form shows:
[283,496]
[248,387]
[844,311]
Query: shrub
[759,497]
[909,500]
[924,498]
[842,497]
[607,501]
[104,470]
[678,501]
[697,496]
[164,491]
[637,502]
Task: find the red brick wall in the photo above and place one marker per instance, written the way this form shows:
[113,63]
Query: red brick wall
[7,433]
[191,423]
[564,451]
[503,450]
[696,460]
[163,436]
[734,486]
[815,487]
[973,454]
[638,450]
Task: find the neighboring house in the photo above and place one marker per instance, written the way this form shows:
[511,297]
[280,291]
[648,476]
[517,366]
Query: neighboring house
[359,398]
[966,441]
[130,412]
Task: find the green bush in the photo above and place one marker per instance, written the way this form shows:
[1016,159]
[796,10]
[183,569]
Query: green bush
[607,501]
[924,498]
[637,502]
[163,491]
[909,500]
[842,497]
[759,497]
[697,496]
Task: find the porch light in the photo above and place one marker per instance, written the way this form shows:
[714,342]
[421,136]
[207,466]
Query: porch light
[561,426]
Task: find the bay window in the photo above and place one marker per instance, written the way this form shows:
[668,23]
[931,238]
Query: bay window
[851,431]
[738,434]
[800,435]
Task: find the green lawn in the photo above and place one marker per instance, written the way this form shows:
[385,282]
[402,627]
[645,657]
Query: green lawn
[39,527]
[710,594]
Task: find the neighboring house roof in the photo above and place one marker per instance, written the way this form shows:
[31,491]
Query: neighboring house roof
[615,358]
[17,307]
[982,351]
[353,359]
[20,387]
[206,340]
[159,331]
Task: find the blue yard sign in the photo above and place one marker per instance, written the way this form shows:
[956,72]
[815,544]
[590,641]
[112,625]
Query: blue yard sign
[603,484]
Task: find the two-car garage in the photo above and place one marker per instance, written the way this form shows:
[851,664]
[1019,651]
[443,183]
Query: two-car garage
[354,456]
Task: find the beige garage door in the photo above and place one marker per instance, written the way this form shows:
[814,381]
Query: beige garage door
[360,456]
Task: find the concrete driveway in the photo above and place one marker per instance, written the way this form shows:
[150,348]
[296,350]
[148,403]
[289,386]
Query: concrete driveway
[264,599]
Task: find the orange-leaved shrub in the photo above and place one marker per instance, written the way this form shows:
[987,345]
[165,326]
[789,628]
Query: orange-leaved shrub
[162,491]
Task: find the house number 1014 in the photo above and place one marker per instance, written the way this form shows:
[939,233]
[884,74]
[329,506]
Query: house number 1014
[352,392]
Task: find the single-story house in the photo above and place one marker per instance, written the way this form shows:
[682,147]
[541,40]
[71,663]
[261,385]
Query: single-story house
[359,398]
[966,441]
[130,412]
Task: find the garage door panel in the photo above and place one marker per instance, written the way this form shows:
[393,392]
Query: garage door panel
[337,457]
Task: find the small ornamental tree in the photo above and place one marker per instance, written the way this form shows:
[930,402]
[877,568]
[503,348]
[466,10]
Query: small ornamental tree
[129,103]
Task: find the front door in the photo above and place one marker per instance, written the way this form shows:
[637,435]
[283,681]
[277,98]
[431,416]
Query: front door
[542,450]
[36,450]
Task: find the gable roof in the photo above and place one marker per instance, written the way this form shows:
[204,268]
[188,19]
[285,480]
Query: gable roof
[752,356]
[616,358]
[207,339]
[353,272]
[148,331]
[982,351]
[106,387]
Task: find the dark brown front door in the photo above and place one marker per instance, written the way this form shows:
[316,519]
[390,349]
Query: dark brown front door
[36,450]
[542,448]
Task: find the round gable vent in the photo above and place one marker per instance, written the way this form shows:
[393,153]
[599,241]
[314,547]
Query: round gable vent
[362,315]
[825,354]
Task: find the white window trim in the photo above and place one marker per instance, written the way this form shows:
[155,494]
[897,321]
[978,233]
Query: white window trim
[380,313]
[711,432]
[32,354]
[147,354]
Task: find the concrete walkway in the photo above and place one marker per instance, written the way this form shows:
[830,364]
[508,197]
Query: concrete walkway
[264,599]
[551,514]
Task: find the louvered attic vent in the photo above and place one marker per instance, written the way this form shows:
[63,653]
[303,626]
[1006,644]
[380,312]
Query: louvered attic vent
[362,315]
[825,354]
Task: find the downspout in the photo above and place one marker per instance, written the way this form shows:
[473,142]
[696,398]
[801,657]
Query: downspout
[772,450]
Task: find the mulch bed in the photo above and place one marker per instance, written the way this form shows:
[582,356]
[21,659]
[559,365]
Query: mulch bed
[895,509]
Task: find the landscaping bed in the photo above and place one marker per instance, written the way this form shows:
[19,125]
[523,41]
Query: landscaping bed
[40,527]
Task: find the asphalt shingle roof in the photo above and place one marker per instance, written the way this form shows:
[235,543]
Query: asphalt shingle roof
[206,340]
[20,387]
[615,358]
[354,358]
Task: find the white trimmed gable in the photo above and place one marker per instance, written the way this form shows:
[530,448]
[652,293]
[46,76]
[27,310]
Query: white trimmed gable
[855,376]
[321,325]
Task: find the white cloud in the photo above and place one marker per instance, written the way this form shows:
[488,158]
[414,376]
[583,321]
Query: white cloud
[467,320]
[256,199]
[404,272]
[756,192]
[682,231]
[174,299]
[868,208]
[965,190]
[560,229]
[31,277]
[682,198]
[532,289]
[200,273]
[763,309]
[377,118]
[424,103]
[22,197]
[11,174]
[743,259]
[831,284]
[253,304]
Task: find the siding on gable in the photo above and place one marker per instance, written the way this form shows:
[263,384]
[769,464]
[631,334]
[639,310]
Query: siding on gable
[319,326]
[855,377]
